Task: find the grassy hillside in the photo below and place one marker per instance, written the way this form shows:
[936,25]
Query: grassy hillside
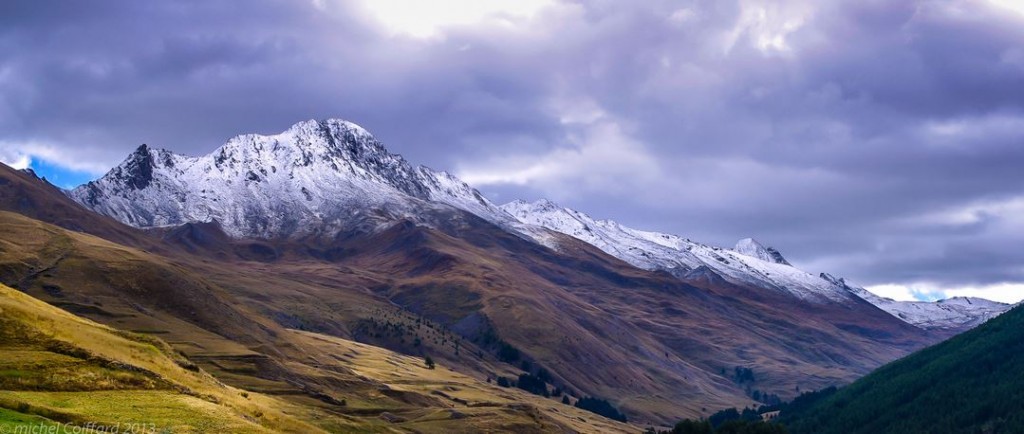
[130,289]
[460,403]
[972,383]
[59,368]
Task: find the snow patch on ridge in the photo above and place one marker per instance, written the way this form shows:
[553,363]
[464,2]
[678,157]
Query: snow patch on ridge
[952,313]
[749,262]
[658,251]
[750,247]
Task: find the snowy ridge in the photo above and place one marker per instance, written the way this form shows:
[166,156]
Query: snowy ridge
[318,177]
[749,262]
[679,256]
[952,313]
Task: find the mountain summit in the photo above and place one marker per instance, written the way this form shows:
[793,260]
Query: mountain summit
[315,176]
[750,247]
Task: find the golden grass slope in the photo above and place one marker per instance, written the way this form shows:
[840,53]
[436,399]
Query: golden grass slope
[108,377]
[464,403]
[60,369]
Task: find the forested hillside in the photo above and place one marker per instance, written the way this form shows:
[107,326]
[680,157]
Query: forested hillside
[972,383]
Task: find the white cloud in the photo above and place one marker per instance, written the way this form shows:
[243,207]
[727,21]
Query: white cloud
[598,156]
[893,291]
[968,131]
[64,156]
[424,19]
[603,158]
[768,26]
[1009,211]
[15,159]
[1013,5]
[1004,292]
[924,291]
[682,16]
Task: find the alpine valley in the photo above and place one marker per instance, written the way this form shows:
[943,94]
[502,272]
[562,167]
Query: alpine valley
[313,281]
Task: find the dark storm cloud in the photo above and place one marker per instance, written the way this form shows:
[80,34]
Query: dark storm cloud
[187,76]
[879,140]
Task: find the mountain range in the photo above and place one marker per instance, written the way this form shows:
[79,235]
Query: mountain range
[254,260]
[318,178]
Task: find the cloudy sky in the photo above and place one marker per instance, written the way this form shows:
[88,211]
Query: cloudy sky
[878,140]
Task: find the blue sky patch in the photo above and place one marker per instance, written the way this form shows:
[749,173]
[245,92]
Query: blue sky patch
[60,176]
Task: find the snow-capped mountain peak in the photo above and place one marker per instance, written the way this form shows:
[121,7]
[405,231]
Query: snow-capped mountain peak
[314,177]
[750,247]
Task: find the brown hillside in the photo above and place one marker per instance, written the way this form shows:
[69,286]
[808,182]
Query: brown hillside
[656,346]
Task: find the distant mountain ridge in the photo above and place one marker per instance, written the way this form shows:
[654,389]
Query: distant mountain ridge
[749,262]
[320,177]
[677,255]
[956,313]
